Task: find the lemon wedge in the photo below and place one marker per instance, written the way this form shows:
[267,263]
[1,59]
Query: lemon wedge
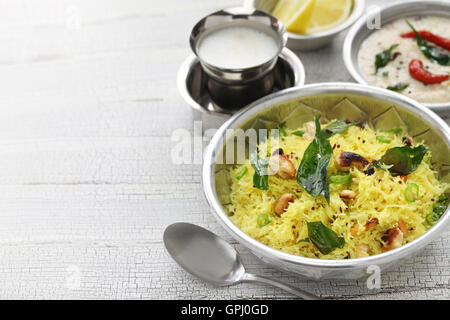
[328,14]
[294,14]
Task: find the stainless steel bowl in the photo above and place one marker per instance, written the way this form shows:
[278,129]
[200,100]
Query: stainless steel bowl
[359,32]
[381,108]
[311,41]
[191,80]
[233,88]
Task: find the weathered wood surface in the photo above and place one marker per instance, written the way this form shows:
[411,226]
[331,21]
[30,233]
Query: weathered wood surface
[89,103]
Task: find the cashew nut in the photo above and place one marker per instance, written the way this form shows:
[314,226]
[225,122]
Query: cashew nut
[371,223]
[403,228]
[408,141]
[347,159]
[282,203]
[282,166]
[361,251]
[348,194]
[393,239]
[310,131]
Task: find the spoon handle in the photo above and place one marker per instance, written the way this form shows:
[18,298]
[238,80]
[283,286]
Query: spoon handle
[295,291]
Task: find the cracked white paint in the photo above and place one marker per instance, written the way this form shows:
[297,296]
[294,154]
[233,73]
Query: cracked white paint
[86,189]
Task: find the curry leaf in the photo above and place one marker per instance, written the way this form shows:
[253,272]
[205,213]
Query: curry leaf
[281,127]
[383,58]
[439,209]
[299,133]
[402,160]
[441,206]
[325,239]
[399,87]
[338,126]
[261,175]
[394,131]
[312,171]
[429,51]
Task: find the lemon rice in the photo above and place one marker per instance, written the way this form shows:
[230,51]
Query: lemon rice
[379,196]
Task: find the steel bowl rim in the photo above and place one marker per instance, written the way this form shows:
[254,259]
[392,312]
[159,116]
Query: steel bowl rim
[357,12]
[245,14]
[192,59]
[318,88]
[348,46]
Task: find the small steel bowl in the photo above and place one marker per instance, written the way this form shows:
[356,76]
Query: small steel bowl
[359,32]
[191,80]
[312,41]
[234,88]
[381,108]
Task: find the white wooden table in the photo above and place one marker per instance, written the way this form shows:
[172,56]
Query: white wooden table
[88,104]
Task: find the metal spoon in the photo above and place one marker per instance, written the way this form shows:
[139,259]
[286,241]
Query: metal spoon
[210,258]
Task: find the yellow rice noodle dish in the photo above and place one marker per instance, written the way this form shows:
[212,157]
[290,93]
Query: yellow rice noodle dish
[336,190]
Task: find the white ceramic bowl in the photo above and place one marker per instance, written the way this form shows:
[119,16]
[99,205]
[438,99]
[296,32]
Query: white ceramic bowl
[312,41]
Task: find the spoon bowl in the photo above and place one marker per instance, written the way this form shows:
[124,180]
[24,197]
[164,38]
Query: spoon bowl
[211,259]
[203,254]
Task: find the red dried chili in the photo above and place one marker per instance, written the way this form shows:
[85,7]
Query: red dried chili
[417,71]
[427,35]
